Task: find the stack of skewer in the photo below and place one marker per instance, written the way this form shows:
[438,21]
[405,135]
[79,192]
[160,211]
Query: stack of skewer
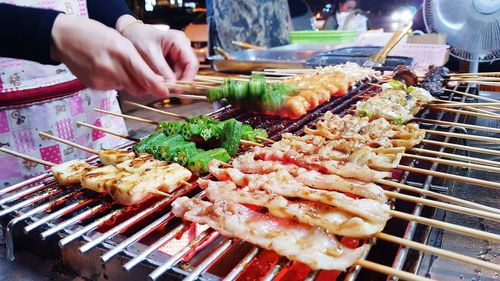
[453,204]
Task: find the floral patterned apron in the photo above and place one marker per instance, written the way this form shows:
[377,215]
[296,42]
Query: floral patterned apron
[44,98]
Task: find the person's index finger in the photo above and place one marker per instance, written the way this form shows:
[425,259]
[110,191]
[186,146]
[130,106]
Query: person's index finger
[142,73]
[191,66]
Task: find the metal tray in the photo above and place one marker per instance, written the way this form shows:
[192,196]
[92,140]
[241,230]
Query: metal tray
[355,54]
[258,60]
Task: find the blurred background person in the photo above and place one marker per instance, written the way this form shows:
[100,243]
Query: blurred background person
[263,23]
[301,14]
[345,16]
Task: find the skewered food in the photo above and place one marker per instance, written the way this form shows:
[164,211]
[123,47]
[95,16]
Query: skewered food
[115,156]
[139,164]
[433,80]
[405,75]
[333,220]
[248,165]
[396,103]
[100,179]
[294,96]
[304,243]
[313,162]
[70,172]
[135,187]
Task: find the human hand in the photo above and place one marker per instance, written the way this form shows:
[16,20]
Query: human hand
[168,53]
[101,58]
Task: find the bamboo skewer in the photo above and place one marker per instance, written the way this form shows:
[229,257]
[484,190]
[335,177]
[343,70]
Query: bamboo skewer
[190,97]
[471,95]
[478,210]
[446,176]
[171,114]
[474,74]
[454,163]
[438,251]
[471,78]
[81,147]
[464,112]
[447,226]
[463,136]
[27,157]
[496,84]
[390,271]
[107,131]
[444,206]
[462,147]
[130,117]
[467,126]
[462,104]
[457,157]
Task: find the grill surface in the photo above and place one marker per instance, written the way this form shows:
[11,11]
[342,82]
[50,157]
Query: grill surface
[113,242]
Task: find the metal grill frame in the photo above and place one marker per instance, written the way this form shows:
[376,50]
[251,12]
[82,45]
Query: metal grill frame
[110,246]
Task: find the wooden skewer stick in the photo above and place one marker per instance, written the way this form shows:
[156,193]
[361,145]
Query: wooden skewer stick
[473,181]
[471,95]
[390,271]
[468,126]
[474,74]
[462,104]
[159,192]
[456,156]
[130,117]
[70,143]
[245,142]
[473,209]
[454,163]
[187,88]
[464,112]
[447,226]
[438,251]
[471,78]
[462,147]
[265,139]
[189,97]
[463,136]
[27,157]
[496,84]
[171,114]
[107,131]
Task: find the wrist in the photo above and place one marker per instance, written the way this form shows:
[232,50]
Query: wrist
[124,22]
[58,28]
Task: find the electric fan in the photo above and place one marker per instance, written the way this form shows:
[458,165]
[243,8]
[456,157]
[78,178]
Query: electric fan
[472,27]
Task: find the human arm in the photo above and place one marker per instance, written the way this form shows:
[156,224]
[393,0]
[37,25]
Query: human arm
[26,33]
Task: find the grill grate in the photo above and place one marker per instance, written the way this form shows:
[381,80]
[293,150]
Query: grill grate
[140,234]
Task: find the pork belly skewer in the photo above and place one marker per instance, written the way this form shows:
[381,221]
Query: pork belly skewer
[334,220]
[309,245]
[331,219]
[284,184]
[288,238]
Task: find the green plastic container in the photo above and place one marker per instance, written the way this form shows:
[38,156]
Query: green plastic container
[323,36]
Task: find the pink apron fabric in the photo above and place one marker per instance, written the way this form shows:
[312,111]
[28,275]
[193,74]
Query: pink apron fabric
[20,124]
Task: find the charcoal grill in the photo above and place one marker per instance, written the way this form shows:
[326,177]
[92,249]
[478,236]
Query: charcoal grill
[100,240]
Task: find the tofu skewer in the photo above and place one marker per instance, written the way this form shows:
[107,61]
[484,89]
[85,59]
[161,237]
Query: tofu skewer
[123,160]
[107,156]
[125,188]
